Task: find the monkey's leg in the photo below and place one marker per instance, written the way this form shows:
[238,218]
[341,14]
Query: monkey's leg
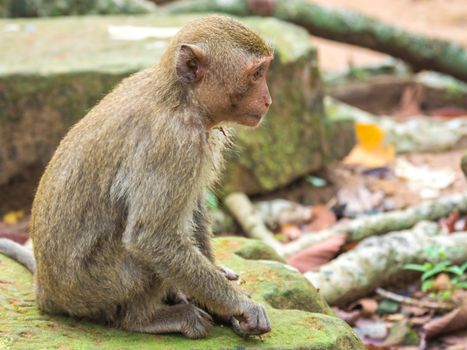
[187,319]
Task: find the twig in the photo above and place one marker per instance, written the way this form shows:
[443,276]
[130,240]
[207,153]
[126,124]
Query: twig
[414,302]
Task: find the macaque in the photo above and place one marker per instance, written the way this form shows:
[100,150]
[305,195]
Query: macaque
[119,223]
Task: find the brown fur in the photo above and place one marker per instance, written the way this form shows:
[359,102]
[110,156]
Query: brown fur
[119,220]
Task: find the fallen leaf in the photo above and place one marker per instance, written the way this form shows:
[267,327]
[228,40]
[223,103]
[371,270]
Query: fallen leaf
[410,101]
[376,347]
[415,311]
[449,112]
[420,320]
[13,217]
[387,306]
[424,180]
[395,317]
[292,232]
[374,329]
[348,316]
[311,258]
[371,150]
[442,282]
[367,306]
[449,223]
[456,339]
[18,237]
[359,200]
[321,218]
[389,187]
[450,322]
[400,334]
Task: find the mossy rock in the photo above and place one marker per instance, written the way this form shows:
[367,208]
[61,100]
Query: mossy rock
[47,8]
[54,70]
[300,317]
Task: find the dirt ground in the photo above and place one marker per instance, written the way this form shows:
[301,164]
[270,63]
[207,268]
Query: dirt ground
[444,19]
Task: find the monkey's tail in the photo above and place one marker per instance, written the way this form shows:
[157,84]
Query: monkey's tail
[19,253]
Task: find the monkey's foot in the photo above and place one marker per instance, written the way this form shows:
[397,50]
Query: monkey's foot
[177,297]
[187,319]
[197,323]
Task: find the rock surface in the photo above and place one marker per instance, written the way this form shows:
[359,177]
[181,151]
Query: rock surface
[47,8]
[53,70]
[300,317]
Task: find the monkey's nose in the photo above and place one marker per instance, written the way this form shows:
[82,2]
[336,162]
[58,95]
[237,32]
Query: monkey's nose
[267,100]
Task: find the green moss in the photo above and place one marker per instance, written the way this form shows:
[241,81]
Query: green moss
[23,327]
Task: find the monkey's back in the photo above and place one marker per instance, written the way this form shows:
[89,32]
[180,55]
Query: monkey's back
[77,220]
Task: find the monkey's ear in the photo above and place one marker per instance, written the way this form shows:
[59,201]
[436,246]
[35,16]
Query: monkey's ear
[191,63]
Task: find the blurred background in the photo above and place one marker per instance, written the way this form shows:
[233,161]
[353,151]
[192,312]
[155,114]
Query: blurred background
[365,140]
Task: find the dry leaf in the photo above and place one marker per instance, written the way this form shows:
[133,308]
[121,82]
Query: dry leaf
[371,150]
[312,258]
[456,339]
[397,333]
[321,218]
[348,316]
[395,317]
[449,223]
[450,322]
[449,112]
[367,306]
[416,311]
[376,347]
[13,217]
[18,237]
[374,329]
[420,320]
[425,180]
[292,232]
[410,101]
[442,282]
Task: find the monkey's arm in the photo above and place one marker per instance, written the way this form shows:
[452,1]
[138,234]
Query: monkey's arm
[154,234]
[202,232]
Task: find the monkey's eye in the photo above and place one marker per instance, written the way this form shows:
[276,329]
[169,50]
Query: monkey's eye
[258,73]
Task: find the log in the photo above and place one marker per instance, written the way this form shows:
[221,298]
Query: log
[377,261]
[350,27]
[367,226]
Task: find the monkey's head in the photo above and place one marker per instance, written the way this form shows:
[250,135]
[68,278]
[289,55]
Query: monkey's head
[222,65]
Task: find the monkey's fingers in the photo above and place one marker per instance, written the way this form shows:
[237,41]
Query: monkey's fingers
[255,322]
[229,274]
[235,324]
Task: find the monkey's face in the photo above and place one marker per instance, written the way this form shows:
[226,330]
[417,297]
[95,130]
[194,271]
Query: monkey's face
[251,100]
[232,90]
[243,98]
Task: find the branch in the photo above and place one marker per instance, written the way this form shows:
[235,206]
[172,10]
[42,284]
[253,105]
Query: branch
[411,301]
[377,261]
[367,226]
[349,27]
[250,220]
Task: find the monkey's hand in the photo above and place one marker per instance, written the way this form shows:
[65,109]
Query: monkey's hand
[253,319]
[228,273]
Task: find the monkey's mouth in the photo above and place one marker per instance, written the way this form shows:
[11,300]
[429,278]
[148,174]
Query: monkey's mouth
[255,116]
[251,119]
